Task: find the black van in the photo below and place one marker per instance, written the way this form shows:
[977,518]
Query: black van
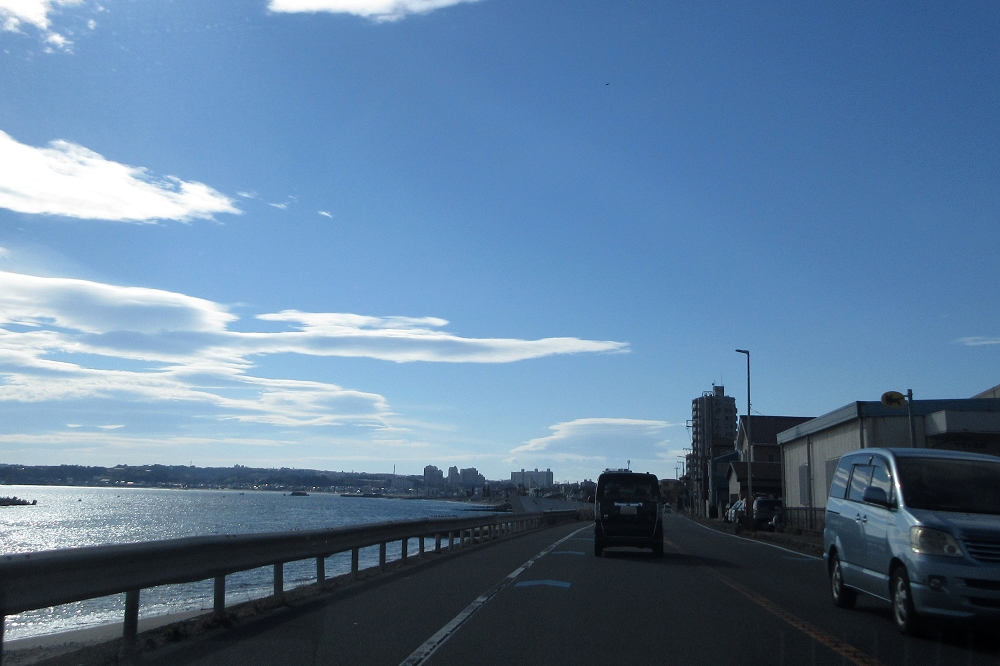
[628,512]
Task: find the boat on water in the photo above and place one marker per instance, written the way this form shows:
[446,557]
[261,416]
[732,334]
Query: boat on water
[16,501]
[299,493]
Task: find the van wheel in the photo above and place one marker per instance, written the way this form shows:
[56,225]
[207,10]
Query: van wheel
[843,596]
[658,548]
[598,548]
[907,620]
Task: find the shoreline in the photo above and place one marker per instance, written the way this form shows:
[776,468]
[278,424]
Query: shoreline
[31,649]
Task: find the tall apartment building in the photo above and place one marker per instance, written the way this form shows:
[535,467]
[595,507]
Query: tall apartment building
[713,433]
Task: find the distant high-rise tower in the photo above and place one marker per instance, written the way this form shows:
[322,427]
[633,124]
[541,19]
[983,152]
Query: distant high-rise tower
[713,433]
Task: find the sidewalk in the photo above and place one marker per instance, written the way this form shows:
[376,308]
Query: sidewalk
[808,542]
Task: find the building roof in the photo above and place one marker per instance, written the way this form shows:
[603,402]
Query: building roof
[765,429]
[761,470]
[872,408]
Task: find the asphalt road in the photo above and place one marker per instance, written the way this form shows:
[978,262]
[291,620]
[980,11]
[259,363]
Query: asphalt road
[712,599]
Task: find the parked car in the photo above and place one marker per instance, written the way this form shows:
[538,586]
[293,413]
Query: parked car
[764,511]
[736,512]
[627,512]
[919,528]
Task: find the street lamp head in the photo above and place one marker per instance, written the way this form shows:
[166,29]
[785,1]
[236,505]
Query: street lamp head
[743,351]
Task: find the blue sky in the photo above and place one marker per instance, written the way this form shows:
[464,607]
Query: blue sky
[358,234]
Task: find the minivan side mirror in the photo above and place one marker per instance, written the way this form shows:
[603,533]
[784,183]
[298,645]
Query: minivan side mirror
[876,496]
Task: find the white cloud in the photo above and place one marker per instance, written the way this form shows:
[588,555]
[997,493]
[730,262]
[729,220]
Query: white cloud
[978,340]
[588,430]
[15,13]
[583,447]
[406,339]
[378,10]
[325,214]
[69,180]
[69,339]
[110,427]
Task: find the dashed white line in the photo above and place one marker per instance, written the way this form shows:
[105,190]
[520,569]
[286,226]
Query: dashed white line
[448,630]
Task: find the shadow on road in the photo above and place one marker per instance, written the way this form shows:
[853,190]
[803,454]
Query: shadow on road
[979,637]
[668,559]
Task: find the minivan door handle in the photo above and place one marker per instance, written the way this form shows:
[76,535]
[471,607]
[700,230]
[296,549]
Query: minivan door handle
[861,519]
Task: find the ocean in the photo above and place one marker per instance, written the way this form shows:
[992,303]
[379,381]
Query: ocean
[70,517]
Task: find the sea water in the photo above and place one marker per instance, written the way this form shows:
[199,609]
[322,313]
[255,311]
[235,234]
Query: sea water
[71,517]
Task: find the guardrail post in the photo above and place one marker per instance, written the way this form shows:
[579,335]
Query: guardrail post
[381,556]
[402,549]
[279,580]
[354,563]
[451,541]
[437,543]
[219,602]
[320,570]
[421,545]
[131,627]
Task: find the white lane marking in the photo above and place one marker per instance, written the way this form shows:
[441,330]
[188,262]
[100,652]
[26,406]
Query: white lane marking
[448,630]
[761,543]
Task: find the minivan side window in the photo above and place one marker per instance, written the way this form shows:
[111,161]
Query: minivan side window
[838,487]
[860,478]
[881,478]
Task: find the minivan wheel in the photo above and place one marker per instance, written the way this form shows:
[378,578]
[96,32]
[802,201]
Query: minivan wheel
[907,620]
[843,596]
[598,547]
[658,548]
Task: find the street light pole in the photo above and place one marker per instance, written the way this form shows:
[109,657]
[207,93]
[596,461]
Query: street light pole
[749,441]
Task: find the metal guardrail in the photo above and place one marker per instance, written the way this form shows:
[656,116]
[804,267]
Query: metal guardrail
[30,581]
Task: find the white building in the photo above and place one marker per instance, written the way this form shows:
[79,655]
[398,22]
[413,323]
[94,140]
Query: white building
[810,451]
[531,479]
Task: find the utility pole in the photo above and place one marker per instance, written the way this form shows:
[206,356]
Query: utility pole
[749,441]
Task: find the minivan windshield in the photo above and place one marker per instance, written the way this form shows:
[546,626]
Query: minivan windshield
[629,488]
[940,484]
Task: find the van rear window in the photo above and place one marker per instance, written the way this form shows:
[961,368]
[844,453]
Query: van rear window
[628,488]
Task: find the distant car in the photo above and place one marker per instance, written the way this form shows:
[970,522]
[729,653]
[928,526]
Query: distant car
[667,508]
[764,511]
[627,512]
[919,528]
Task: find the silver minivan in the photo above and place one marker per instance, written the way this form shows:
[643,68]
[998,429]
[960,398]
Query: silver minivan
[919,528]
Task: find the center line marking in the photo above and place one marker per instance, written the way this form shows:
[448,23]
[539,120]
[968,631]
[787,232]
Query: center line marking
[448,630]
[843,648]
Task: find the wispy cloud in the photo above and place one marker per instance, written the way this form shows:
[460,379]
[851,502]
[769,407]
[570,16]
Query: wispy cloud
[69,180]
[325,214]
[978,340]
[65,339]
[14,14]
[378,10]
[583,447]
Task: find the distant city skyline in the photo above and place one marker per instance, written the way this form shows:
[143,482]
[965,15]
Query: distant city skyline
[484,234]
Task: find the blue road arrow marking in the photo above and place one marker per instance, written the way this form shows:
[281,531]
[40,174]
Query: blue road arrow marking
[529,583]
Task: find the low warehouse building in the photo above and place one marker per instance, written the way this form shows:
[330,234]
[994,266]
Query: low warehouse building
[811,450]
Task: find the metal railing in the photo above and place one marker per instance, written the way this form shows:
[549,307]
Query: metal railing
[30,581]
[805,518]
